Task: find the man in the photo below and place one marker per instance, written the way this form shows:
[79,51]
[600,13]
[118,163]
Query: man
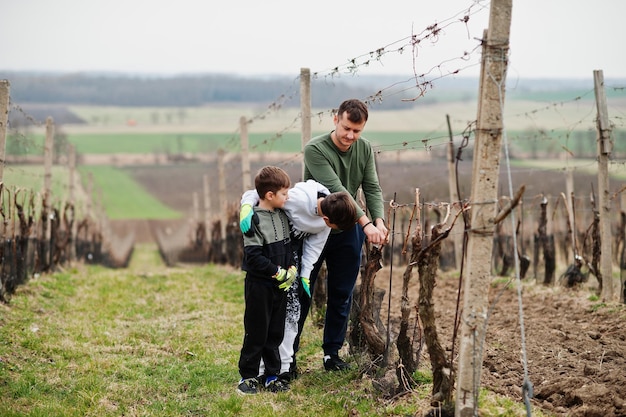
[343,161]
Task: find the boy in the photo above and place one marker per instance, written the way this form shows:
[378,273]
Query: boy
[270,271]
[313,211]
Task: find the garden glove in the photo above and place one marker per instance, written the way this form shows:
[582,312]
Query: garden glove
[306,284]
[286,277]
[245,218]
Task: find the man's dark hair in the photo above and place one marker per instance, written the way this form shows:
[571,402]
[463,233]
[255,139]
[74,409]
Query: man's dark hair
[270,178]
[340,210]
[356,110]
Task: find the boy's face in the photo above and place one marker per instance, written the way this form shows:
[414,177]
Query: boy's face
[277,199]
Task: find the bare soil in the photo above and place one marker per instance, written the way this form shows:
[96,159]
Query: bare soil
[575,348]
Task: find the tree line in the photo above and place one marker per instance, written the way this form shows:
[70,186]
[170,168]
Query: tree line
[177,91]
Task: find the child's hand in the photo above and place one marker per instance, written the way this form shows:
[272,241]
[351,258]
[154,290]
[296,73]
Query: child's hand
[288,278]
[306,284]
[245,218]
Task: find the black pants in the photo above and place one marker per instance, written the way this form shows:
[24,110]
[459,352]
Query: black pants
[264,325]
[342,254]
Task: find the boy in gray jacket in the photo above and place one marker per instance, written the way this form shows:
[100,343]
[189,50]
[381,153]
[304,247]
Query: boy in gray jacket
[313,210]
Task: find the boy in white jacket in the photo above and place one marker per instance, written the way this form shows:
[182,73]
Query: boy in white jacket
[313,211]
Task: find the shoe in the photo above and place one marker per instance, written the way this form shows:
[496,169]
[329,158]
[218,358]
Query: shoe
[334,363]
[274,384]
[291,374]
[248,386]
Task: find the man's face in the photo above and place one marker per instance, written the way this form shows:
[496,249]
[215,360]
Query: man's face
[346,132]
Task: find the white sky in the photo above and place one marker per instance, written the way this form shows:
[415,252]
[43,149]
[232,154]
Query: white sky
[549,38]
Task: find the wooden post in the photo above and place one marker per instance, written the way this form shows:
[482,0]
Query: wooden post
[305,107]
[47,193]
[207,206]
[245,154]
[47,160]
[89,208]
[622,290]
[4,123]
[223,202]
[72,199]
[72,168]
[454,198]
[484,197]
[193,224]
[605,146]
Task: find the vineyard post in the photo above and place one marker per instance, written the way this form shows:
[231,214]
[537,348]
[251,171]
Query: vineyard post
[605,146]
[193,230]
[245,154]
[89,208]
[305,108]
[72,198]
[207,205]
[4,122]
[484,197]
[47,193]
[454,197]
[223,203]
[622,290]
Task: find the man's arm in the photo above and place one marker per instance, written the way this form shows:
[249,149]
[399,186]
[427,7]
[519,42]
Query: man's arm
[377,232]
[321,170]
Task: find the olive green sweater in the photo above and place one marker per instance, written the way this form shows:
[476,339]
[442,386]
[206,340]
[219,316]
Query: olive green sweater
[345,171]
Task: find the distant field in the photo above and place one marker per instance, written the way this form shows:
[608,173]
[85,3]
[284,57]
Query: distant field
[530,126]
[573,113]
[535,131]
[122,197]
[539,143]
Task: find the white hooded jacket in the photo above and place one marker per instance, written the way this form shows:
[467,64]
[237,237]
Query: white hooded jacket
[301,208]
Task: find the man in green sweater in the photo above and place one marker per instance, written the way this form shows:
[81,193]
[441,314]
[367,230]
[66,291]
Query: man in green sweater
[343,161]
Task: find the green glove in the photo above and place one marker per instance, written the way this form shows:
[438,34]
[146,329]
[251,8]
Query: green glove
[306,284]
[245,217]
[286,277]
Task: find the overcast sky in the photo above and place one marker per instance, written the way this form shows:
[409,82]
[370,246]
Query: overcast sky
[549,38]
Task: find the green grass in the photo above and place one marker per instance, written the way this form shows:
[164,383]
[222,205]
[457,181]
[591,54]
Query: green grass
[156,341]
[123,198]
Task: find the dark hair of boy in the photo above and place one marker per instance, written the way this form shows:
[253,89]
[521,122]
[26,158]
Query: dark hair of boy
[270,178]
[339,209]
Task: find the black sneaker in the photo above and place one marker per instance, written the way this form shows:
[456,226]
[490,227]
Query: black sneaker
[291,374]
[248,386]
[334,363]
[274,384]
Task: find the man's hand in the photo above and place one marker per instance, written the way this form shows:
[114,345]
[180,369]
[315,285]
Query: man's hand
[306,284]
[245,218]
[286,277]
[376,233]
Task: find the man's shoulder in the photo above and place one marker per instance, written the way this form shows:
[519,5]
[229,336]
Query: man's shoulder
[318,139]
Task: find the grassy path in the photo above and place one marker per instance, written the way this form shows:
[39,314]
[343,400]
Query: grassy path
[144,341]
[156,341]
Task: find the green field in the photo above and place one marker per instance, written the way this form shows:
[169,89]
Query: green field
[539,142]
[113,189]
[123,197]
